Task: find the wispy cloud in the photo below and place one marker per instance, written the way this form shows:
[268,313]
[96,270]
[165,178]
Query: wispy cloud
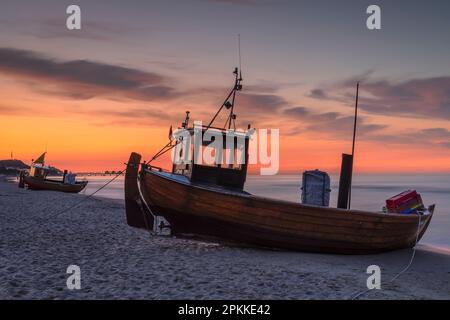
[336,126]
[92,30]
[253,102]
[428,97]
[418,97]
[129,117]
[333,124]
[86,79]
[260,104]
[9,110]
[439,137]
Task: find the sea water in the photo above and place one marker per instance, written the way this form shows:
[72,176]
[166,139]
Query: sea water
[369,192]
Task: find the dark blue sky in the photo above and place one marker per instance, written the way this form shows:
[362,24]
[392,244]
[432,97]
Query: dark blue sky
[316,40]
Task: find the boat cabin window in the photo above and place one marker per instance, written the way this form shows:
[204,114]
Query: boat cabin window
[38,172]
[219,159]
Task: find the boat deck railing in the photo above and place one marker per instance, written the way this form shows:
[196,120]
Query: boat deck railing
[152,167]
[223,130]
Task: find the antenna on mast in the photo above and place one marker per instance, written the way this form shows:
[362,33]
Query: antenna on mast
[239,54]
[228,104]
[237,87]
[230,99]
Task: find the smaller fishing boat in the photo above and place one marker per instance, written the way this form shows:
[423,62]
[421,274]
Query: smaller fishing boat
[36,179]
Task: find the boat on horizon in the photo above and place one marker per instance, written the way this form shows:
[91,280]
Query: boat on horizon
[36,179]
[210,201]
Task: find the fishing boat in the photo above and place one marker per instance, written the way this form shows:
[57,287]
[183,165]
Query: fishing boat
[210,201]
[36,179]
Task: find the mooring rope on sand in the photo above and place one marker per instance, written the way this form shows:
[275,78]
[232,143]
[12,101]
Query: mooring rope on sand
[77,203]
[359,294]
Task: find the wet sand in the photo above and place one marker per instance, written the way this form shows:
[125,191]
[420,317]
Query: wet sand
[120,262]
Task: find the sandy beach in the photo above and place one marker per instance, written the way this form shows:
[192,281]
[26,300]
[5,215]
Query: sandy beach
[119,262]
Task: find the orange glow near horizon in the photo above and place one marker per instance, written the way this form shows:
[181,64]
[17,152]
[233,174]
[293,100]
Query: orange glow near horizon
[84,136]
[92,96]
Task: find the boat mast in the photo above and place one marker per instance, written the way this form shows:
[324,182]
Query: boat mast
[229,104]
[237,87]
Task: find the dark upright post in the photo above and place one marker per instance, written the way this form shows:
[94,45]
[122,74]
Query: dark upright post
[353,146]
[345,181]
[21,179]
[136,215]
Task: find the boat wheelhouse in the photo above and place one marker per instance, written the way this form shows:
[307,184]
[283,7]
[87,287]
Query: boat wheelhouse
[213,156]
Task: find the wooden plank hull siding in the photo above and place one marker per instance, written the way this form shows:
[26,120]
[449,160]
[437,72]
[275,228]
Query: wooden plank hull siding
[196,209]
[53,185]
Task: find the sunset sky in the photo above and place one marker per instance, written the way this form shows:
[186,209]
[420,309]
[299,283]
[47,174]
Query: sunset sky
[92,96]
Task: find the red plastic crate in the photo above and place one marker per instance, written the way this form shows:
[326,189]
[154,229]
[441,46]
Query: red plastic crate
[402,198]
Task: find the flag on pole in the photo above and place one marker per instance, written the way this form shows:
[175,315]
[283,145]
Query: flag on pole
[41,159]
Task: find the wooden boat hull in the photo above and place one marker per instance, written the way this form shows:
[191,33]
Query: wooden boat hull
[53,185]
[241,217]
